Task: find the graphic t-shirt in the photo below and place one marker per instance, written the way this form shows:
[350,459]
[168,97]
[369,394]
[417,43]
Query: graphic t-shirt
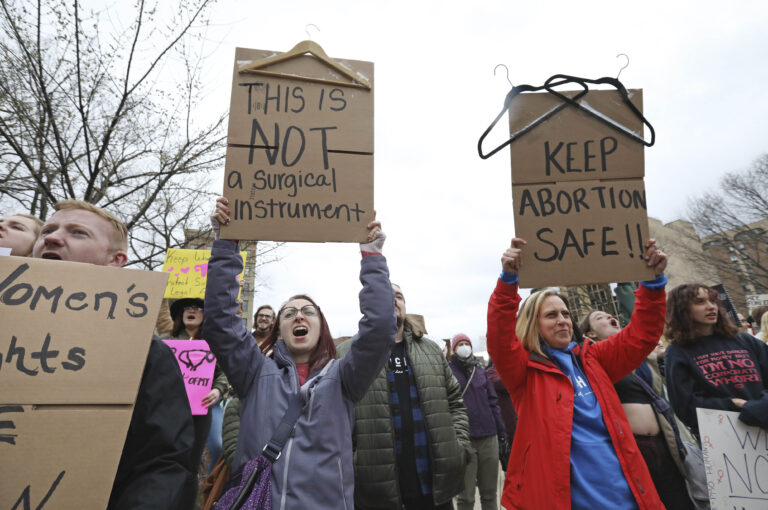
[712,370]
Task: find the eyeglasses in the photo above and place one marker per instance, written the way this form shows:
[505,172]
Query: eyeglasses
[264,316]
[306,310]
[193,308]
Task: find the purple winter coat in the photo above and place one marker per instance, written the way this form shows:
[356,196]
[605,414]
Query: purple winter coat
[480,400]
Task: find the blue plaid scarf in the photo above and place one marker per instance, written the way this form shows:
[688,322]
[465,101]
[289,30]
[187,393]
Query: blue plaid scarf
[421,448]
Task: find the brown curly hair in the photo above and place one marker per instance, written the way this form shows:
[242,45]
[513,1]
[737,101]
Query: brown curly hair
[680,327]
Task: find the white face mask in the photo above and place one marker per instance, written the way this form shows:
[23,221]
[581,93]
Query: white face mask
[464,351]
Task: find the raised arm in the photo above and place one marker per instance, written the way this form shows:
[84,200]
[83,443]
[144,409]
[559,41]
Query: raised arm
[370,347]
[621,353]
[225,332]
[504,347]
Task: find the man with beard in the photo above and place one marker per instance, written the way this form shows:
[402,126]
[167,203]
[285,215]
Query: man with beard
[416,401]
[263,320]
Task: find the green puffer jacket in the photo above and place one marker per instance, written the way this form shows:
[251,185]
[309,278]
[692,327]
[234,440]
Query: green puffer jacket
[376,479]
[230,430]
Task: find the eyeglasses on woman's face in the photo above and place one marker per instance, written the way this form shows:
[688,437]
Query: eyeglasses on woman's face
[193,308]
[290,312]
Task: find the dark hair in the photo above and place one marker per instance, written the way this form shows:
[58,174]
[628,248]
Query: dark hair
[324,351]
[177,313]
[584,326]
[680,327]
[178,328]
[262,307]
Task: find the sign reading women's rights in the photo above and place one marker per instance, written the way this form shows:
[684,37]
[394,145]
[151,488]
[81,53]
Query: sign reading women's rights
[736,461]
[578,193]
[197,364]
[299,163]
[188,273]
[73,345]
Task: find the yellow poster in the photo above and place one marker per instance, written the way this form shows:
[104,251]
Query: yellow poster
[188,272]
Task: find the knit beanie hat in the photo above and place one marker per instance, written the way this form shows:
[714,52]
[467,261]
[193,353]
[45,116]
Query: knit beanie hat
[458,338]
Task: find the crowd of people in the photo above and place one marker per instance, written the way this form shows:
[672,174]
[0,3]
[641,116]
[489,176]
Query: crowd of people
[387,420]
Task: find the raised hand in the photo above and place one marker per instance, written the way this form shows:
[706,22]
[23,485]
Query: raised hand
[510,260]
[655,258]
[220,216]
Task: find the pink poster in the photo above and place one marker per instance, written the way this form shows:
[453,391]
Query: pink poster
[196,362]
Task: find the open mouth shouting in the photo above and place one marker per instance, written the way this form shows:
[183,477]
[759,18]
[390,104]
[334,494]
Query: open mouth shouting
[299,332]
[50,255]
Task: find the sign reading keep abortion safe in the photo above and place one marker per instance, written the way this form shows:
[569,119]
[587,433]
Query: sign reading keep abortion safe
[578,192]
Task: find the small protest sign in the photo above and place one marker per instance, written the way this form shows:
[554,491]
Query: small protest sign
[736,461]
[197,364]
[188,272]
[74,334]
[755,300]
[299,164]
[578,191]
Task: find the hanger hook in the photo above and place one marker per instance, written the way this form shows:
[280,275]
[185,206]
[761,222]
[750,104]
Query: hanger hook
[625,65]
[306,29]
[506,69]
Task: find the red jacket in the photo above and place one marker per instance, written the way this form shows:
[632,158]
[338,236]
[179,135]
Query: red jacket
[538,475]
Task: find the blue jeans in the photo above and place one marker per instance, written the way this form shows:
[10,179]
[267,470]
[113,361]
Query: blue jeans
[214,436]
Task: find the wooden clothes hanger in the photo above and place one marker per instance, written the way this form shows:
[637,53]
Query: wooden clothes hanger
[300,49]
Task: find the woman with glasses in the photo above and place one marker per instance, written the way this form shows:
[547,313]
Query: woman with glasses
[314,468]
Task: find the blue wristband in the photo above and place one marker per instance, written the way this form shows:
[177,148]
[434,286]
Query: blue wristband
[659,283]
[510,278]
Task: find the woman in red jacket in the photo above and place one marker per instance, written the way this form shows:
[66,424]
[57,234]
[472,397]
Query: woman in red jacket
[573,446]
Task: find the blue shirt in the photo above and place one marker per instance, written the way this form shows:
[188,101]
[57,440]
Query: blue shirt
[597,480]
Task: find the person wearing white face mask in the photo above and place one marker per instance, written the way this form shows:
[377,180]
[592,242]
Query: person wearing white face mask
[486,428]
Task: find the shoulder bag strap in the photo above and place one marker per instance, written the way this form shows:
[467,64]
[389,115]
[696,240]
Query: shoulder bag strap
[662,406]
[273,449]
[474,367]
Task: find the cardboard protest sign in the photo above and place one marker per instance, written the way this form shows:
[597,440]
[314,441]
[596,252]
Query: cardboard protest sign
[188,272]
[755,300]
[578,190]
[736,460]
[299,163]
[571,223]
[197,364]
[72,334]
[60,456]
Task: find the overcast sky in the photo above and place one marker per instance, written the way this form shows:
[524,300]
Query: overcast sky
[446,212]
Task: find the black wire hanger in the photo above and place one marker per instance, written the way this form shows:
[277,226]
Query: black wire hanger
[556,81]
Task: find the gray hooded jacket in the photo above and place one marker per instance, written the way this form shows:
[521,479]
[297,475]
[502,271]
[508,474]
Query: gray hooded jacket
[315,468]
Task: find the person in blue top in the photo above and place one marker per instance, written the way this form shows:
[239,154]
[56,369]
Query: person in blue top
[573,446]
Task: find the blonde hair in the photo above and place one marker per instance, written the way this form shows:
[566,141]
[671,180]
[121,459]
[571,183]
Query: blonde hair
[37,221]
[119,232]
[764,328]
[527,328]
